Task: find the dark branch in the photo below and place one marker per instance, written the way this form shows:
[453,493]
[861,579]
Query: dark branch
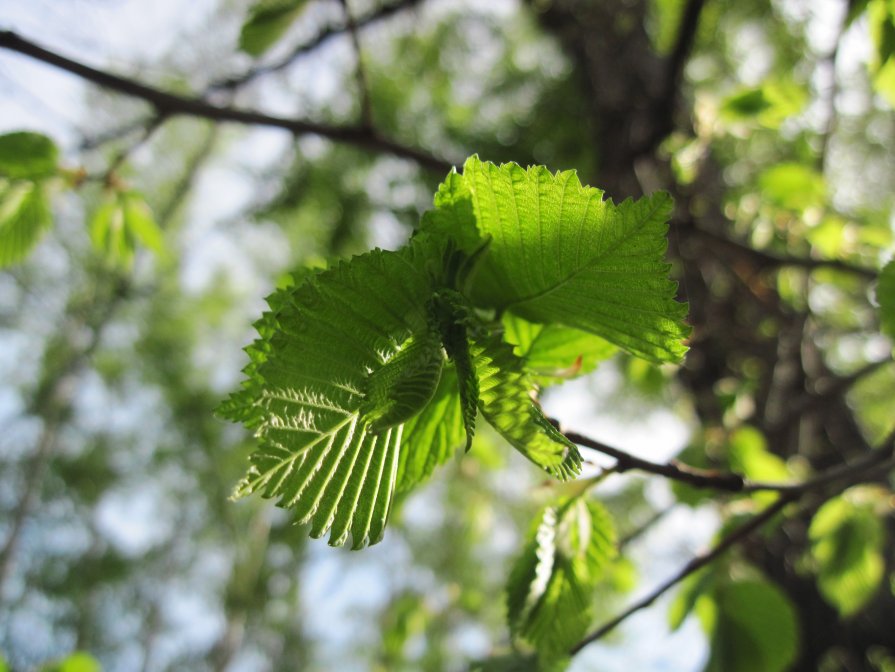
[676,471]
[683,45]
[733,482]
[879,460]
[770,260]
[695,564]
[168,104]
[321,38]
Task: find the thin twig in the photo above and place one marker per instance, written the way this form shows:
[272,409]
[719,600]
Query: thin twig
[151,126]
[695,563]
[683,45]
[322,38]
[730,481]
[169,104]
[771,260]
[677,471]
[363,86]
[878,460]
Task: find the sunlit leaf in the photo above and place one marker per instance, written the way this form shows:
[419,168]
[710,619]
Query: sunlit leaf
[268,20]
[691,589]
[79,661]
[550,587]
[432,436]
[554,353]
[749,455]
[752,626]
[310,390]
[27,156]
[139,221]
[559,253]
[506,403]
[847,543]
[24,217]
[793,186]
[109,233]
[769,104]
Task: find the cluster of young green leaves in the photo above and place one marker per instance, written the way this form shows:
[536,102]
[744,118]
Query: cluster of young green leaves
[367,375]
[29,174]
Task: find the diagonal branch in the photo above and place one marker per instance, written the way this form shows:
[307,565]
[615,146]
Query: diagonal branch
[855,471]
[168,104]
[879,460]
[683,45]
[696,563]
[770,260]
[699,478]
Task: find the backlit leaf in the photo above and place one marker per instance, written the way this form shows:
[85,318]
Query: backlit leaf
[847,543]
[551,585]
[27,156]
[24,217]
[793,186]
[752,627]
[506,403]
[433,435]
[268,20]
[559,253]
[310,392]
[552,352]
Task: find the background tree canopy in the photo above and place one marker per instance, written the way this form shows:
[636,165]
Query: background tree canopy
[163,171]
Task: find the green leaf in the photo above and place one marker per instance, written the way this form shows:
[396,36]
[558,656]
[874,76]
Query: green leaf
[505,401]
[561,254]
[79,661]
[109,234]
[314,372]
[551,585]
[122,221]
[268,20]
[694,587]
[793,186]
[752,626]
[847,544]
[396,391]
[27,156]
[554,353]
[885,296]
[139,221]
[749,455]
[454,317]
[519,662]
[24,217]
[431,437]
[769,104]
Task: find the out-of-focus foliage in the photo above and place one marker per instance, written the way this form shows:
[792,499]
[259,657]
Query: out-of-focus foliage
[136,249]
[27,162]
